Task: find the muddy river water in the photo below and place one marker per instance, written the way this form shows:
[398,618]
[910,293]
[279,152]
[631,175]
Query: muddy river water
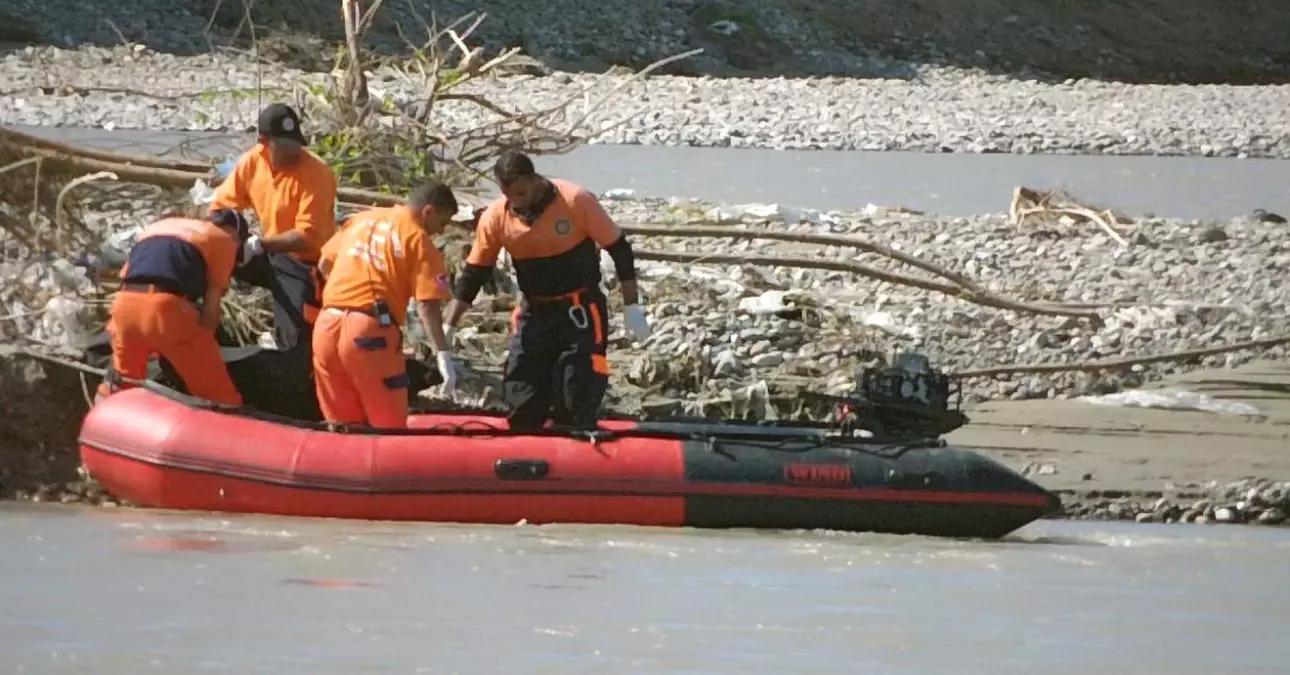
[90,590]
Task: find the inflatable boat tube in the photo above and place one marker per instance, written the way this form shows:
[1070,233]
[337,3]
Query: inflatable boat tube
[158,448]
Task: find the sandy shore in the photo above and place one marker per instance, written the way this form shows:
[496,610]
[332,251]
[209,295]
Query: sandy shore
[1097,456]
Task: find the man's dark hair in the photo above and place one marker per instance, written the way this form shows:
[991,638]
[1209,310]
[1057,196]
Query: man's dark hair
[433,193]
[512,166]
[231,219]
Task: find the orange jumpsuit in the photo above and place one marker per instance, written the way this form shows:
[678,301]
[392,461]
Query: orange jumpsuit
[359,369]
[172,266]
[557,368]
[302,199]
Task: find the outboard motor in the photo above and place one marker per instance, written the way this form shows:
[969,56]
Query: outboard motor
[907,400]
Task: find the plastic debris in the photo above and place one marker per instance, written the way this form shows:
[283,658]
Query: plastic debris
[201,193]
[1172,399]
[116,249]
[768,303]
[887,323]
[60,322]
[619,193]
[225,168]
[778,212]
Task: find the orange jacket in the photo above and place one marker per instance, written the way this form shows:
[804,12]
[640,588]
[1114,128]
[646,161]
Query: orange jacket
[383,253]
[302,198]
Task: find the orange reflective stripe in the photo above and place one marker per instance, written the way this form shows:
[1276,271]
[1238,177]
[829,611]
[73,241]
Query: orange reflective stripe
[574,297]
[515,318]
[600,364]
[595,324]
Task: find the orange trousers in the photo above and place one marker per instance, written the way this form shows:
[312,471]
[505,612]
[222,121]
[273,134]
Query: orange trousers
[144,323]
[359,370]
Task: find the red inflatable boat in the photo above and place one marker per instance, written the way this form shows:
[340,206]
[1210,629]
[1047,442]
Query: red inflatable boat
[158,448]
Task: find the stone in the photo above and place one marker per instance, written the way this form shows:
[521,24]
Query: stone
[1272,516]
[768,360]
[1226,515]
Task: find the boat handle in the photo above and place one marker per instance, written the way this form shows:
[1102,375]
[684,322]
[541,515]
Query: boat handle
[913,479]
[521,469]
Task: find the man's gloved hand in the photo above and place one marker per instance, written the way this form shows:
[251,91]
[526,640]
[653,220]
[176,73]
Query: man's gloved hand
[516,314]
[447,369]
[251,248]
[636,323]
[449,337]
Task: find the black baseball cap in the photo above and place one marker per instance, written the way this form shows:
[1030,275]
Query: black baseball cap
[279,120]
[234,220]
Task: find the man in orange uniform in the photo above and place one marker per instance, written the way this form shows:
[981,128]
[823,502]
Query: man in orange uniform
[372,266]
[175,264]
[293,193]
[557,368]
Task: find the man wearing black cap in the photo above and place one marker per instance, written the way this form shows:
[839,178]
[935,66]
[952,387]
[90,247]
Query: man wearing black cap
[176,266]
[293,193]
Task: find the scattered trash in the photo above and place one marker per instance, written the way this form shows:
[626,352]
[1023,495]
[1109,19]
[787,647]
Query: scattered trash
[60,322]
[225,168]
[780,212]
[201,193]
[116,249]
[770,302]
[619,193]
[1038,469]
[1171,399]
[887,323]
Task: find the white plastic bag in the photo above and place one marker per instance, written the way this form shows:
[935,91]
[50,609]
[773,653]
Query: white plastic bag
[1171,399]
[201,193]
[116,249]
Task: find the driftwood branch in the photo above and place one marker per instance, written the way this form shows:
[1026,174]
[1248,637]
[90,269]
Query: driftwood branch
[977,297]
[1028,203]
[1121,364]
[839,240]
[160,172]
[17,138]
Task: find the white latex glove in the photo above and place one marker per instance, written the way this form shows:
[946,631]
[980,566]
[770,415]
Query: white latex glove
[251,248]
[636,323]
[449,335]
[447,369]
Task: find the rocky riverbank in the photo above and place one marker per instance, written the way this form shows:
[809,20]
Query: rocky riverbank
[942,110]
[1134,41]
[1177,286]
[1253,501]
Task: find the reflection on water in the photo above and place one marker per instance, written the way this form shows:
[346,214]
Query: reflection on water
[100,590]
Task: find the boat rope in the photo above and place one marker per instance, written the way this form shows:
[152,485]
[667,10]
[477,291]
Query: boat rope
[83,370]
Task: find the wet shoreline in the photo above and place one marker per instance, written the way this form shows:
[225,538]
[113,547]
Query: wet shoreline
[1237,504]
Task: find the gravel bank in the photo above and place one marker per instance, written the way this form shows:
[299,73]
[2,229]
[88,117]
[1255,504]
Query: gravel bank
[1133,41]
[1180,285]
[1254,501]
[943,110]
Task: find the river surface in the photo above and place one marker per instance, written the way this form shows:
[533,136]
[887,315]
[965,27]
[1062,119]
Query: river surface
[947,184]
[130,591]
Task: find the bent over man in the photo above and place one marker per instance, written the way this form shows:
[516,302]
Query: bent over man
[293,193]
[372,266]
[557,368]
[175,264]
